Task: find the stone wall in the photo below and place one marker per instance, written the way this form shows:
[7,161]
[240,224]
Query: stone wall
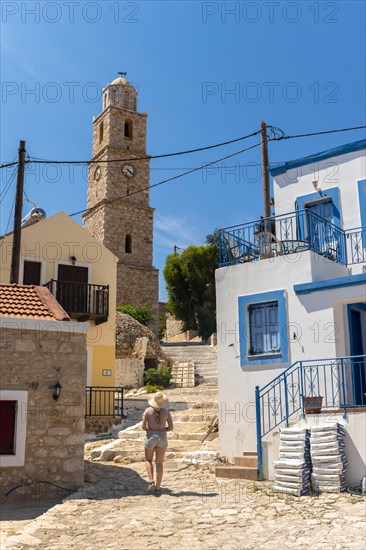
[173,327]
[33,361]
[100,424]
[130,372]
[144,289]
[135,345]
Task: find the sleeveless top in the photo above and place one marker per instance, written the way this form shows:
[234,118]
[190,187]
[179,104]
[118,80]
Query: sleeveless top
[152,422]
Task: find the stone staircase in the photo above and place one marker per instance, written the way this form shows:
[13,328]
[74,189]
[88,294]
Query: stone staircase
[244,467]
[185,442]
[203,356]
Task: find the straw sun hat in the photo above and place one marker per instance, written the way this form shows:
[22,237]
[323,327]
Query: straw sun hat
[159,400]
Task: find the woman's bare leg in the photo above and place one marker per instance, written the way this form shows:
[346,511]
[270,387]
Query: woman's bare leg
[149,455]
[159,459]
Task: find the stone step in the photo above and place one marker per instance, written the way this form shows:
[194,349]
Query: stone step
[187,427]
[250,453]
[187,436]
[246,461]
[236,472]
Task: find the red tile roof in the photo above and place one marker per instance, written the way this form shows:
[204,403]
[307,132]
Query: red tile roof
[31,302]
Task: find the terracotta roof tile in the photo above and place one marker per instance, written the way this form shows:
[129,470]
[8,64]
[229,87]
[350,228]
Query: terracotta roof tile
[29,301]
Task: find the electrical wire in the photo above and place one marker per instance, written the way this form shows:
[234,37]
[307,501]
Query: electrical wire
[96,207]
[280,138]
[28,484]
[7,186]
[148,157]
[8,164]
[27,199]
[273,130]
[7,225]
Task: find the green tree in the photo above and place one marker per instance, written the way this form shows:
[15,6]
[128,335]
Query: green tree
[190,280]
[143,314]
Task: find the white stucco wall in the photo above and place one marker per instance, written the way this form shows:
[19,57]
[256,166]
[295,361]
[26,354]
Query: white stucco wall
[343,171]
[319,320]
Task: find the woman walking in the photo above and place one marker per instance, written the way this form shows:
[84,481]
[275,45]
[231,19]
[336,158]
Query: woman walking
[156,422]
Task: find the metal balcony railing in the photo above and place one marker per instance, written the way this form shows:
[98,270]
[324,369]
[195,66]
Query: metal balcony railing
[80,300]
[356,245]
[104,401]
[310,386]
[291,233]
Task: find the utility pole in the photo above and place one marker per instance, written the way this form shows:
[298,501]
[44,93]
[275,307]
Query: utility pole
[265,173]
[15,257]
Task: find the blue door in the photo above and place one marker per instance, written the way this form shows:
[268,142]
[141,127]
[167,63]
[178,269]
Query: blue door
[357,324]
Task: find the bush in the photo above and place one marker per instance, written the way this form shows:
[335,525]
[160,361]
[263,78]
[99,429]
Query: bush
[143,314]
[152,389]
[162,326]
[158,377]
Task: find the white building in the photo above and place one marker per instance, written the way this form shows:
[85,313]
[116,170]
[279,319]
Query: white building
[291,310]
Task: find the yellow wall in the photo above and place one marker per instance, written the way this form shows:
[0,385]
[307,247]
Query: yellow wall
[52,241]
[102,358]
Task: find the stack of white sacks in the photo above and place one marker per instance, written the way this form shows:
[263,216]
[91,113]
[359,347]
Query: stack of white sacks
[328,457]
[292,470]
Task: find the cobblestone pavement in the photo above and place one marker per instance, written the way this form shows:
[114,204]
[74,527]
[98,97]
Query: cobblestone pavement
[195,511]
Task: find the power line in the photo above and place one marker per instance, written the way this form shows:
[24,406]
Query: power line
[7,225]
[186,152]
[273,129]
[8,164]
[280,138]
[164,181]
[7,186]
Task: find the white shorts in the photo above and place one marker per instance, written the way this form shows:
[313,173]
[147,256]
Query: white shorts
[156,439]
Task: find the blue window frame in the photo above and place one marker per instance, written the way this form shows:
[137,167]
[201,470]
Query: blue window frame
[263,328]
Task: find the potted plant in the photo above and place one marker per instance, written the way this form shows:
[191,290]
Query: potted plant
[313,404]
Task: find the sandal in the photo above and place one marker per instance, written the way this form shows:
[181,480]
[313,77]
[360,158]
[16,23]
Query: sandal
[151,486]
[158,492]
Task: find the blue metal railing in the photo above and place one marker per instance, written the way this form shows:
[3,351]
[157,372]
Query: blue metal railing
[309,386]
[356,245]
[291,233]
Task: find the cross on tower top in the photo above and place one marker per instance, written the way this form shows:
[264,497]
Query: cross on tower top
[121,74]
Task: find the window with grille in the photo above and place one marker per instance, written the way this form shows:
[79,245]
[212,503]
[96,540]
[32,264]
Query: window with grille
[264,328]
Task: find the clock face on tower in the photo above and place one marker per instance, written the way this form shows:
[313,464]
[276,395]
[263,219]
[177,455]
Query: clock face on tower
[128,170]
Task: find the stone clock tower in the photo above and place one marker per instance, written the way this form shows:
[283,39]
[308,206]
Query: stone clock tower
[123,221]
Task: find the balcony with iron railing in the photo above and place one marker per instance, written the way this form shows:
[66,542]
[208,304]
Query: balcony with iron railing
[291,233]
[308,387]
[82,301]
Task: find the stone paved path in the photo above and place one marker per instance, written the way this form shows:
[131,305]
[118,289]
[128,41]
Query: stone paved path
[195,511]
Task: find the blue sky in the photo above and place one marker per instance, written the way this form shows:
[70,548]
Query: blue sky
[206,72]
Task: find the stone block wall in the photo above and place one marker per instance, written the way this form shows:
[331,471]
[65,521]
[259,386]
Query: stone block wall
[33,361]
[113,120]
[130,372]
[100,424]
[139,286]
[173,327]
